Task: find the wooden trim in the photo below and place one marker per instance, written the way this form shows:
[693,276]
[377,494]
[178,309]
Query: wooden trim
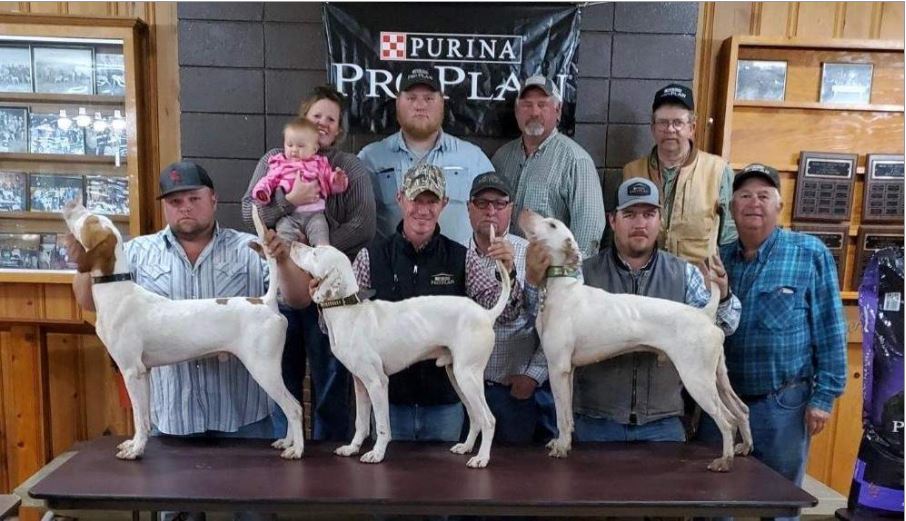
[58,158]
[36,276]
[90,21]
[820,43]
[52,326]
[839,19]
[755,18]
[817,105]
[792,19]
[877,12]
[49,98]
[702,80]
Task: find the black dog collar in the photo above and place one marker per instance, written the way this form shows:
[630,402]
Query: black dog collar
[562,271]
[351,300]
[112,278]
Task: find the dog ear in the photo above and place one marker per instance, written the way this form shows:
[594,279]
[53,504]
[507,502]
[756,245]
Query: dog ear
[100,257]
[571,254]
[327,289]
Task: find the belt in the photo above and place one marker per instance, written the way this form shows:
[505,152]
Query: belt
[756,397]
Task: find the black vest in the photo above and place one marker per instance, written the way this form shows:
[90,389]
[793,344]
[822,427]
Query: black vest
[399,272]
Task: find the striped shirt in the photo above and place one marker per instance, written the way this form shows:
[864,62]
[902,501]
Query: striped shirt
[792,322]
[517,349]
[461,161]
[204,394]
[559,180]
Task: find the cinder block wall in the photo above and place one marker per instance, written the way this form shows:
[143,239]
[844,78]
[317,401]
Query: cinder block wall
[245,66]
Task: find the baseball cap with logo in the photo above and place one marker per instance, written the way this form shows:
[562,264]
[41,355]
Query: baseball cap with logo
[540,82]
[637,190]
[423,178]
[181,177]
[765,172]
[673,93]
[419,76]
[490,181]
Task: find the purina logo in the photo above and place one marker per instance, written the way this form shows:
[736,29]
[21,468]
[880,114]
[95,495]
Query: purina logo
[442,47]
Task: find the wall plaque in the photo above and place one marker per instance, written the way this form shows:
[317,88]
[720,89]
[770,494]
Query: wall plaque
[872,239]
[824,187]
[835,237]
[882,199]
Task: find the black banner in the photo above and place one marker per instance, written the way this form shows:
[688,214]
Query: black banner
[480,53]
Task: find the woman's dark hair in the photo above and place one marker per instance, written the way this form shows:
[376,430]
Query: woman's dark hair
[329,93]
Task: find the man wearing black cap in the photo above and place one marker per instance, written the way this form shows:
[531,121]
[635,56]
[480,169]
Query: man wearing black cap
[787,359]
[421,139]
[694,185]
[517,368]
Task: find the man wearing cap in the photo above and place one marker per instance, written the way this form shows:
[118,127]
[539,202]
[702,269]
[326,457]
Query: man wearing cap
[195,258]
[421,140]
[550,172]
[517,367]
[418,260]
[694,185]
[787,359]
[637,396]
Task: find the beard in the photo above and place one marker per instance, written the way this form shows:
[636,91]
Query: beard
[420,128]
[533,129]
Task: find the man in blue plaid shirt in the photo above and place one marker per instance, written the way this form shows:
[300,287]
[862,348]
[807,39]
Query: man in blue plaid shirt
[787,359]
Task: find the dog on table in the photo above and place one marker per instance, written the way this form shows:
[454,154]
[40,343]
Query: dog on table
[143,330]
[375,339]
[580,325]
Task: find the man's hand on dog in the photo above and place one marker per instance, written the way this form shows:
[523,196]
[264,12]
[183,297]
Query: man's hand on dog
[716,273]
[276,247]
[501,249]
[537,261]
[522,387]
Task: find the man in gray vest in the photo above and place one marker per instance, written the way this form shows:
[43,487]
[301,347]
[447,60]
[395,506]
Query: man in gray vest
[637,396]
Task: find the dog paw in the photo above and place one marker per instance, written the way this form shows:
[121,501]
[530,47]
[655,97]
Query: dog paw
[461,448]
[124,445]
[372,456]
[292,453]
[742,449]
[132,452]
[558,449]
[477,462]
[721,465]
[282,443]
[347,450]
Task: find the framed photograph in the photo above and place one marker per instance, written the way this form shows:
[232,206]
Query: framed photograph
[760,80]
[109,73]
[19,250]
[46,137]
[108,142]
[15,69]
[846,82]
[13,191]
[107,195]
[63,70]
[50,193]
[13,129]
[52,253]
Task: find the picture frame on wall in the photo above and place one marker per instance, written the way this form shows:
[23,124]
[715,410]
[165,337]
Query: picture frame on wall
[13,130]
[107,142]
[761,80]
[64,70]
[846,83]
[19,250]
[107,195]
[46,136]
[15,69]
[50,192]
[13,191]
[109,73]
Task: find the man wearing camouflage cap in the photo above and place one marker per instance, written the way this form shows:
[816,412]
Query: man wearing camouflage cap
[417,260]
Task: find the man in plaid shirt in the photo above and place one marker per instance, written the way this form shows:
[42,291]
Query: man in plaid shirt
[787,359]
[516,374]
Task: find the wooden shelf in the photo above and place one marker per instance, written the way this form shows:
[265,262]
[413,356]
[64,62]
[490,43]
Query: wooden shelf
[53,216]
[62,99]
[793,168]
[849,295]
[37,276]
[817,105]
[819,43]
[60,158]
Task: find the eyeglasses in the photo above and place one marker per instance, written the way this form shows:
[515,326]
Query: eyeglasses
[482,204]
[664,124]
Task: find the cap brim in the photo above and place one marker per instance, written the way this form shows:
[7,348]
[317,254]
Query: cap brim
[673,100]
[180,189]
[542,88]
[745,176]
[478,189]
[636,203]
[412,196]
[407,86]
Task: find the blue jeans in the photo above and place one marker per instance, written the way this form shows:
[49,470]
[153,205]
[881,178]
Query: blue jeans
[518,420]
[331,384]
[426,422]
[293,364]
[778,429]
[602,429]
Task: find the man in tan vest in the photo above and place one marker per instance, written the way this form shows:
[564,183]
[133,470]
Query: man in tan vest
[695,186]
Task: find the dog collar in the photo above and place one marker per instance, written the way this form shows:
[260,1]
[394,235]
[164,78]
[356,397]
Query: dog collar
[112,278]
[562,271]
[351,300]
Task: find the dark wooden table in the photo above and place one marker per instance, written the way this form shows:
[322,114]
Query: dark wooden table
[662,479]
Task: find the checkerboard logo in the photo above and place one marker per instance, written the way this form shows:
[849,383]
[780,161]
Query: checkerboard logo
[393,46]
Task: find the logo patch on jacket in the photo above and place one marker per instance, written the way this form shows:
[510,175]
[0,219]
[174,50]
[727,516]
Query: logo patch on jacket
[443,279]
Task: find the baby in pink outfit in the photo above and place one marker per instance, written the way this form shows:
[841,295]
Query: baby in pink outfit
[300,160]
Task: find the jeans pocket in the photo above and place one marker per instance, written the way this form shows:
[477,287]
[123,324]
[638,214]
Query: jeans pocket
[793,396]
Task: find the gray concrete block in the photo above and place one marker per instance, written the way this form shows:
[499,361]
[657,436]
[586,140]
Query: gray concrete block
[656,17]
[653,56]
[591,107]
[209,89]
[222,135]
[593,138]
[286,89]
[597,17]
[488,145]
[627,142]
[244,11]
[294,46]
[293,11]
[274,130]
[229,215]
[630,100]
[612,178]
[594,55]
[231,176]
[221,44]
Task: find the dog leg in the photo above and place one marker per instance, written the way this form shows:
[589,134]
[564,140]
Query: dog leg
[704,392]
[466,446]
[362,420]
[472,384]
[376,384]
[561,388]
[138,386]
[737,407]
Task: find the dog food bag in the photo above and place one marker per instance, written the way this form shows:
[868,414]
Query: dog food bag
[877,487]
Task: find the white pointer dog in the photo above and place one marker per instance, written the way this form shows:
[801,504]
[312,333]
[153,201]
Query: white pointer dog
[580,325]
[375,339]
[143,330]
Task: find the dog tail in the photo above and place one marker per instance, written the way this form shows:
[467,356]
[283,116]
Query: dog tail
[270,298]
[505,283]
[713,302]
